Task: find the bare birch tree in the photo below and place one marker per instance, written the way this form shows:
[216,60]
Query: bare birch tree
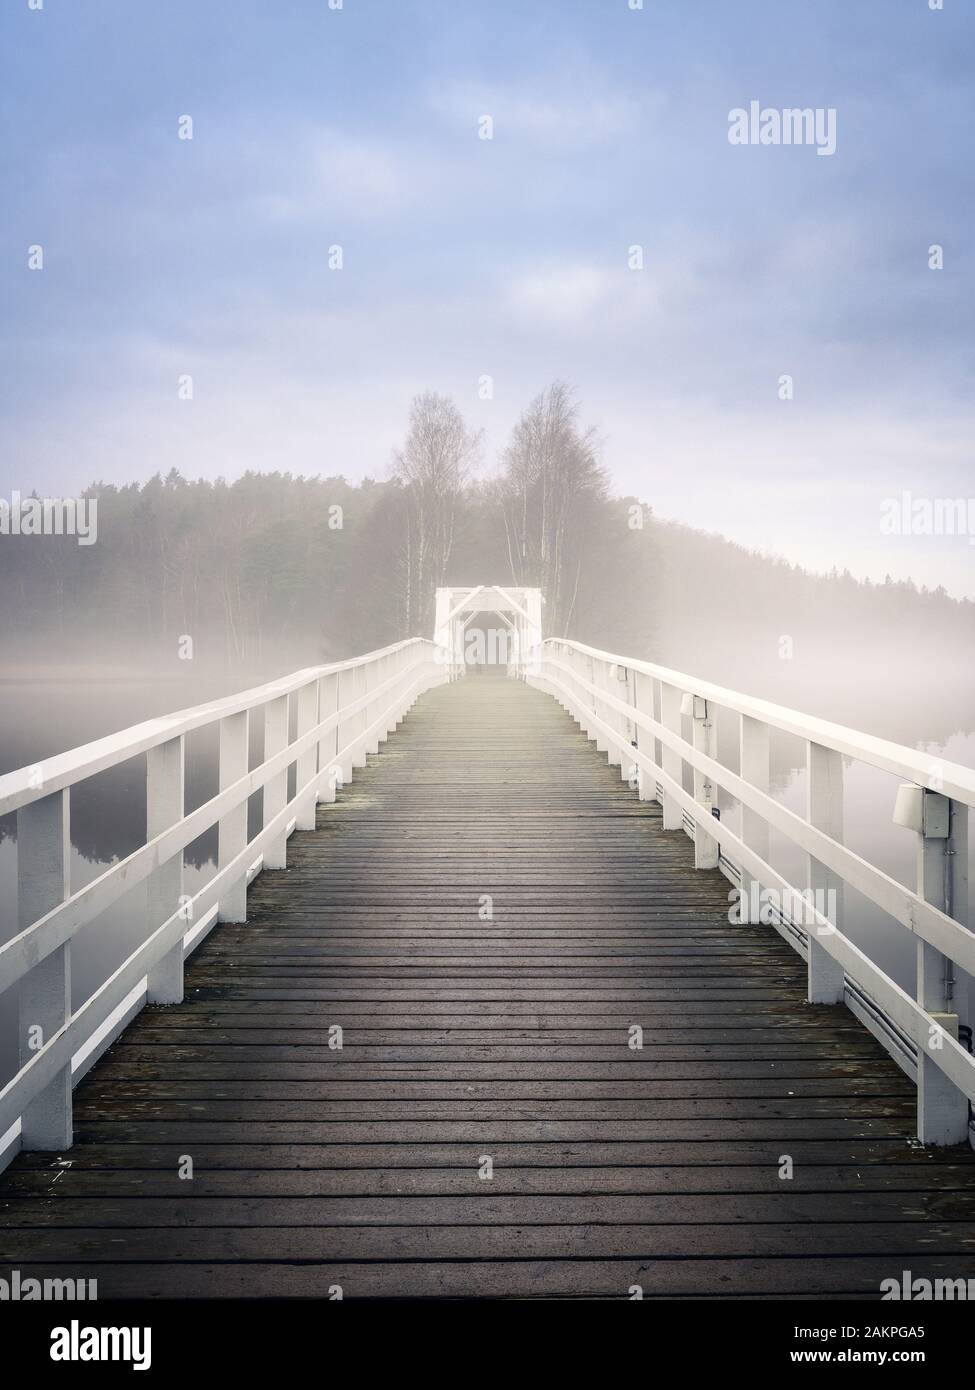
[551,489]
[434,466]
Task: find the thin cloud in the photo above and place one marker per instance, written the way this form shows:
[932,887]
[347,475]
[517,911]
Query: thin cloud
[571,117]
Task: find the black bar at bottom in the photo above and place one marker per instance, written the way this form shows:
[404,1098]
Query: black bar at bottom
[299,1338]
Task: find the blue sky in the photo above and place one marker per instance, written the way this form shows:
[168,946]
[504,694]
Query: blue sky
[465,257]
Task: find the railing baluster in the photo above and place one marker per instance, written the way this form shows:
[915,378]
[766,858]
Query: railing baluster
[670,698]
[346,694]
[614,689]
[566,699]
[232,829]
[165,807]
[394,672]
[597,678]
[656,707]
[959,903]
[328,703]
[642,698]
[627,692]
[43,860]
[359,720]
[402,684]
[276,787]
[306,763]
[574,700]
[755,765]
[942,880]
[371,676]
[824,772]
[380,672]
[705,845]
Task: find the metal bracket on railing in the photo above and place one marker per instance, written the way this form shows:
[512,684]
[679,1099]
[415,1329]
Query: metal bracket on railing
[927,812]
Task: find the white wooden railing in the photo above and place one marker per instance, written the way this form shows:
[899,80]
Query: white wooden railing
[635,712]
[338,714]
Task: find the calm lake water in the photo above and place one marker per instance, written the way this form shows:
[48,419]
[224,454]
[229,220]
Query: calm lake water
[41,718]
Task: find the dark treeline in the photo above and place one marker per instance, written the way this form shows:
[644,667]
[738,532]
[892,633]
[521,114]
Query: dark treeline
[275,570]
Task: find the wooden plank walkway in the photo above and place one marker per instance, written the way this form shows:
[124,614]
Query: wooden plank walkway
[466,1038]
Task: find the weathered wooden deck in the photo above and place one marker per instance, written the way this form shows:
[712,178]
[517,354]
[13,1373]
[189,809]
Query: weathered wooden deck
[507,1038]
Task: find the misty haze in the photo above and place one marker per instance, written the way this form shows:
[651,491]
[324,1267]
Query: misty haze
[487,679]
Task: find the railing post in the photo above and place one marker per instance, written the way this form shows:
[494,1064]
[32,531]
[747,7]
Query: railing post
[382,670]
[371,677]
[328,703]
[582,671]
[656,709]
[597,679]
[412,673]
[404,668]
[705,845]
[276,787]
[399,669]
[613,687]
[164,808]
[824,775]
[581,699]
[576,699]
[232,829]
[548,653]
[306,764]
[942,880]
[346,694]
[958,904]
[755,769]
[43,861]
[671,761]
[360,719]
[645,742]
[629,695]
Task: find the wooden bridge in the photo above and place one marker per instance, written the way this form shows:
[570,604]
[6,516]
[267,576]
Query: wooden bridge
[488,1028]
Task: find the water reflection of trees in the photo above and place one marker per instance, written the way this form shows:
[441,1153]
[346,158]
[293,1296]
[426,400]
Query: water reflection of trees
[108,811]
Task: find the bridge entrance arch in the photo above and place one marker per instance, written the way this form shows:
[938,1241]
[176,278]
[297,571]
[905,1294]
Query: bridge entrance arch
[464,626]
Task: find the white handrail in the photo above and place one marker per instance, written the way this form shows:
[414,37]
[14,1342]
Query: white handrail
[20,787]
[952,779]
[887,893]
[22,952]
[633,708]
[342,712]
